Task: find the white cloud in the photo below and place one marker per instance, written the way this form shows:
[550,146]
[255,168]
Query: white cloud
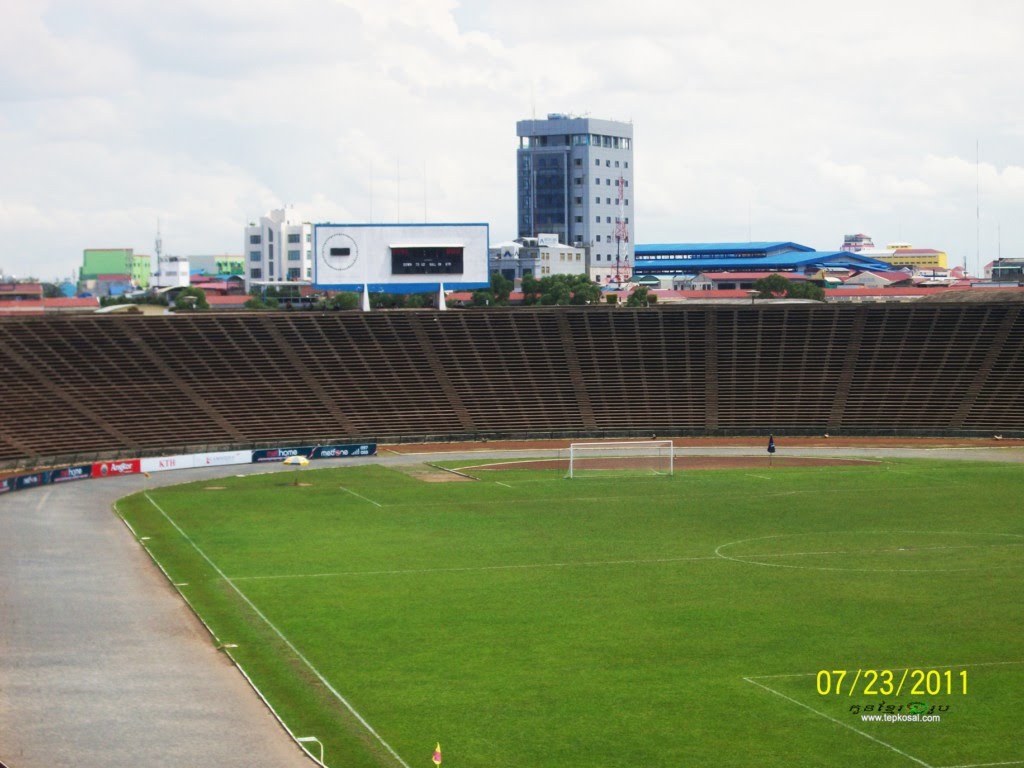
[797,120]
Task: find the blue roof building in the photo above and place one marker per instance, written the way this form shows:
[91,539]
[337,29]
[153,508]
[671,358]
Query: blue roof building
[691,258]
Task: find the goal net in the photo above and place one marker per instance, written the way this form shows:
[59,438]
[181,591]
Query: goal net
[652,457]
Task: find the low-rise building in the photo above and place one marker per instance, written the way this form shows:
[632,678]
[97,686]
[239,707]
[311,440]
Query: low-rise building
[116,261]
[279,249]
[539,257]
[171,272]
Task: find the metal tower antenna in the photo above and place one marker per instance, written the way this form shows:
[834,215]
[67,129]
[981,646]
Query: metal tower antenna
[623,272]
[977,204]
[159,241]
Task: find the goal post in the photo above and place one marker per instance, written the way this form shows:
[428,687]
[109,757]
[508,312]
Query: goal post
[654,457]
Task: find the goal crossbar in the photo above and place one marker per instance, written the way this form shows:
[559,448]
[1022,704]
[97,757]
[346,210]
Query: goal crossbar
[660,454]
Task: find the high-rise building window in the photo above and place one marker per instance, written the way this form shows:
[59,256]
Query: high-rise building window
[597,200]
[255,255]
[256,274]
[608,200]
[270,235]
[254,240]
[578,200]
[578,162]
[599,238]
[579,219]
[294,273]
[294,237]
[597,162]
[597,219]
[597,181]
[295,255]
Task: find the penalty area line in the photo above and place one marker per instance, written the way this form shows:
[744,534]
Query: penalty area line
[477,568]
[280,634]
[839,722]
[360,496]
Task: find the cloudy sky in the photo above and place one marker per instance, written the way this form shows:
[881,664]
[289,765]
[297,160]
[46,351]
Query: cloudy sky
[793,120]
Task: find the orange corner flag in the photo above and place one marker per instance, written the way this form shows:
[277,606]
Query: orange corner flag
[437,754]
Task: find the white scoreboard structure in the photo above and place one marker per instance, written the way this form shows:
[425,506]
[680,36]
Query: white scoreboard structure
[400,258]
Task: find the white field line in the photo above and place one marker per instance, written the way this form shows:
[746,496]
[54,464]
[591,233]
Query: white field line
[886,549]
[985,765]
[523,567]
[281,635]
[745,559]
[44,499]
[911,666]
[838,722]
[496,482]
[759,477]
[360,496]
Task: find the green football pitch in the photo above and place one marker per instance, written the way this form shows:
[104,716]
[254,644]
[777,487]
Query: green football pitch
[716,618]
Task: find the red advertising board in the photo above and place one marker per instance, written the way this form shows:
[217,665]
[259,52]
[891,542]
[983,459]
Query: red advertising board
[119,467]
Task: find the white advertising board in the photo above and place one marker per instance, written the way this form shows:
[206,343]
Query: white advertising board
[223,458]
[165,463]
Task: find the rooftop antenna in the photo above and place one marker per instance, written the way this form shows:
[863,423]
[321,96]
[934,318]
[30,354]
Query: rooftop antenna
[159,241]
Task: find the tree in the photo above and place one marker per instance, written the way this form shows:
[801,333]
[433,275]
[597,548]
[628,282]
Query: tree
[258,303]
[191,298]
[777,286]
[481,299]
[639,297]
[501,287]
[341,301]
[807,290]
[560,289]
[531,288]
[773,286]
[416,301]
[387,300]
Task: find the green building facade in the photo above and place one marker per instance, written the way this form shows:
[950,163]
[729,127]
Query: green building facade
[116,261]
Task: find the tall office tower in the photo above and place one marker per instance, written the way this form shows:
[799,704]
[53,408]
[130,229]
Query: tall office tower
[575,178]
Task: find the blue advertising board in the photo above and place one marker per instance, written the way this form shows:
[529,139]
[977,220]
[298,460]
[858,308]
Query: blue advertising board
[280,454]
[6,484]
[31,481]
[69,474]
[341,451]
